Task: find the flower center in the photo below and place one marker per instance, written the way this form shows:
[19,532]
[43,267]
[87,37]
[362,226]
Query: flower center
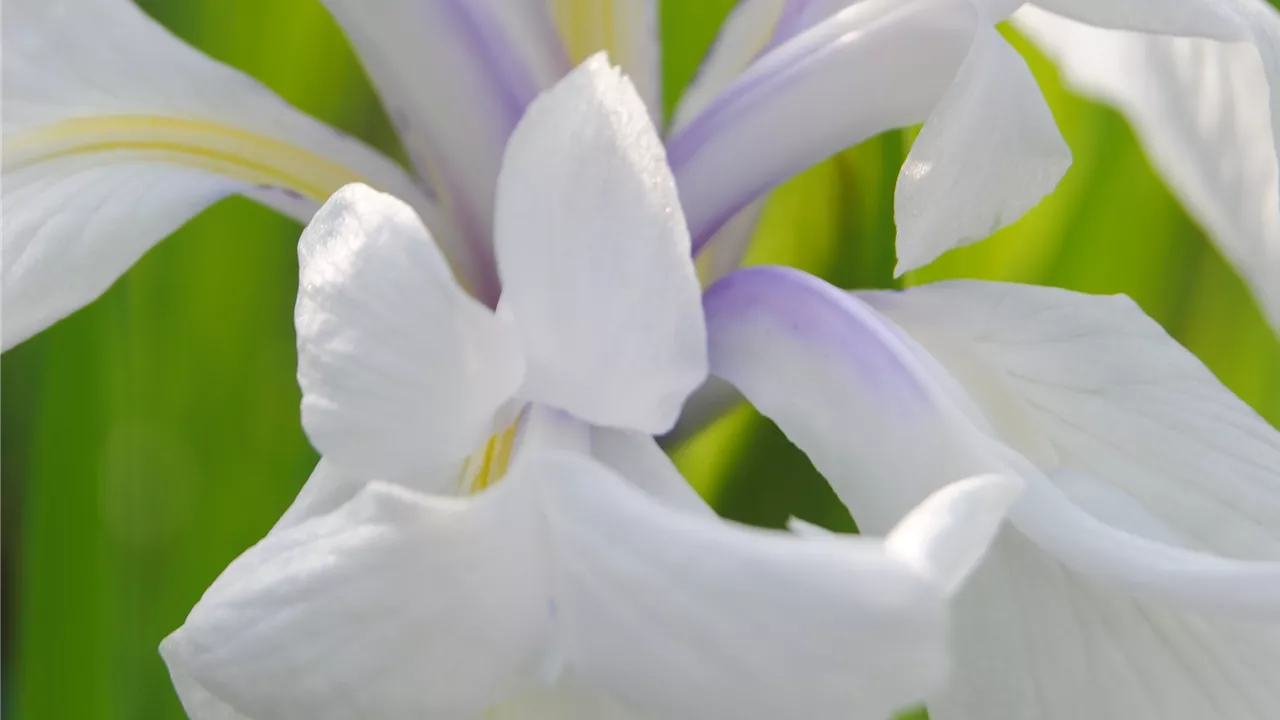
[488,465]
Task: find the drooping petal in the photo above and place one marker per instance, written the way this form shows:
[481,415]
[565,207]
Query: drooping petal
[116,133]
[455,76]
[886,422]
[846,386]
[594,257]
[1145,440]
[400,369]
[877,65]
[627,30]
[1034,639]
[1134,610]
[1208,115]
[395,606]
[687,616]
[1108,405]
[987,154]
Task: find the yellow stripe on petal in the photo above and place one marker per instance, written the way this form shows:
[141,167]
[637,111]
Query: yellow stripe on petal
[489,464]
[586,27]
[623,28]
[222,149]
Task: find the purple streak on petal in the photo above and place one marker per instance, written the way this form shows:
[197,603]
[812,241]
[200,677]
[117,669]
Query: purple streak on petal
[513,86]
[493,51]
[750,89]
[788,90]
[755,87]
[792,306]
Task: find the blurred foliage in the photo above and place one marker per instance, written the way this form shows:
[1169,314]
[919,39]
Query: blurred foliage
[153,436]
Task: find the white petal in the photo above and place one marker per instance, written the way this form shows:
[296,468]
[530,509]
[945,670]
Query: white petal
[877,65]
[594,257]
[1206,114]
[985,156]
[1034,637]
[1110,394]
[1035,640]
[1096,388]
[886,423]
[694,617]
[330,486]
[947,535]
[1070,381]
[198,702]
[1192,18]
[627,30]
[455,76]
[637,458]
[753,28]
[116,132]
[400,369]
[395,606]
[846,386]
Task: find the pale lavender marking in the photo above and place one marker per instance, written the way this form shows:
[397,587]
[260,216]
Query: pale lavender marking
[754,88]
[804,309]
[514,87]
[492,51]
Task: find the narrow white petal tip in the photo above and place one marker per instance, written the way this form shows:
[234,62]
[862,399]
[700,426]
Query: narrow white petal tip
[599,61]
[989,152]
[948,533]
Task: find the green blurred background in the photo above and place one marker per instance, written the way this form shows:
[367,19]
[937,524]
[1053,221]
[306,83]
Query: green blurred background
[150,438]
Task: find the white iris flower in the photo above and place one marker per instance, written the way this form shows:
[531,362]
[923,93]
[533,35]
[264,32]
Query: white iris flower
[584,577]
[1139,576]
